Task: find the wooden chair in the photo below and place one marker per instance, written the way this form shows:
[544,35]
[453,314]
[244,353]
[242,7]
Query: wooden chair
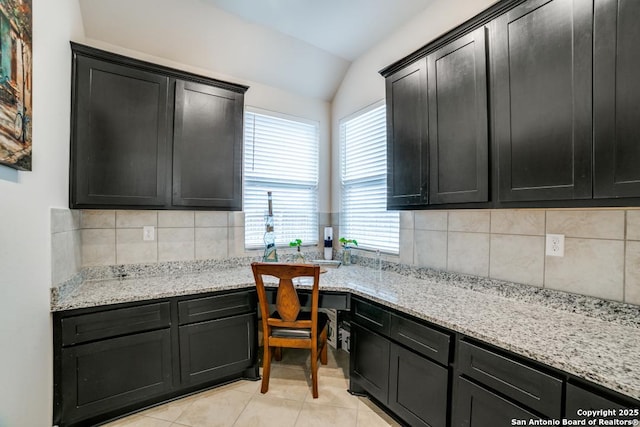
[288,326]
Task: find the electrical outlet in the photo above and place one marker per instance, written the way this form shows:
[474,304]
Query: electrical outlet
[148,233]
[555,245]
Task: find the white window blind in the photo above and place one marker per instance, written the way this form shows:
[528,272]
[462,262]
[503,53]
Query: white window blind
[281,156]
[364,215]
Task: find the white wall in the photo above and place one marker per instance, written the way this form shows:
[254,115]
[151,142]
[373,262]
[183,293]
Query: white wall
[363,85]
[25,202]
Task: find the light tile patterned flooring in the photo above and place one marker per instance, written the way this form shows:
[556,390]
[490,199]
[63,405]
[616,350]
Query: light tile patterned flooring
[287,403]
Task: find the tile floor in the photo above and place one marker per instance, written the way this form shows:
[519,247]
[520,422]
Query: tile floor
[287,403]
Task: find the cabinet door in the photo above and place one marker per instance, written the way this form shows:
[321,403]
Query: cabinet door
[407,139]
[119,135]
[542,63]
[616,93]
[217,348]
[458,122]
[477,407]
[369,363]
[110,374]
[581,399]
[418,389]
[207,147]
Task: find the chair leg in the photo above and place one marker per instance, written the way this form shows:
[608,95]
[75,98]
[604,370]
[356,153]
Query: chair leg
[277,353]
[314,373]
[323,351]
[266,368]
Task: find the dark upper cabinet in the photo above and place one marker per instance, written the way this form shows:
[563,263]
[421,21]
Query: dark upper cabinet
[207,146]
[407,137]
[542,77]
[119,143]
[458,122]
[615,99]
[126,117]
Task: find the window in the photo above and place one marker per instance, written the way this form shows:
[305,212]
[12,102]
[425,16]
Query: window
[281,156]
[364,215]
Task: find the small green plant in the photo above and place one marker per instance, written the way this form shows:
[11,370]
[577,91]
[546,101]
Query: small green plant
[296,243]
[347,242]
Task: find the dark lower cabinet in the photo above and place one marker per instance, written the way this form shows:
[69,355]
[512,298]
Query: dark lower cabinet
[216,348]
[476,406]
[369,363]
[418,388]
[390,364]
[542,68]
[616,90]
[105,375]
[110,361]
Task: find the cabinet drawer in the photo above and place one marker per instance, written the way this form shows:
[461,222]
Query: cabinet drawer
[335,300]
[527,385]
[420,338]
[215,307]
[121,321]
[370,316]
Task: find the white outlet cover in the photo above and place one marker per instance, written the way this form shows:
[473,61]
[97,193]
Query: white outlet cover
[555,245]
[148,233]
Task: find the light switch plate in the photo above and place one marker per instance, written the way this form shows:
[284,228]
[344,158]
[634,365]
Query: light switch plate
[148,233]
[555,245]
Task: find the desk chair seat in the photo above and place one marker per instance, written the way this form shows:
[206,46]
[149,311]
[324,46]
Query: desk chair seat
[288,326]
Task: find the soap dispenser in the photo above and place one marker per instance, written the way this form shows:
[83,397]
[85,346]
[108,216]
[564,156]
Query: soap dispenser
[328,243]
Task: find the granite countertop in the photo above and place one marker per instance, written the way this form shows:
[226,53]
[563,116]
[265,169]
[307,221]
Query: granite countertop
[590,338]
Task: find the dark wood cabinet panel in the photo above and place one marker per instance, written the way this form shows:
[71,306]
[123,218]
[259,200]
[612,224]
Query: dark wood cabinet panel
[217,348]
[407,137]
[369,363]
[418,389]
[541,80]
[421,338]
[112,323]
[458,121]
[145,136]
[207,147]
[119,140]
[579,398]
[109,361]
[105,375]
[476,406]
[615,99]
[371,316]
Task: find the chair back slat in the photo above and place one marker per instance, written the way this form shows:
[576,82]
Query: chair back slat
[287,301]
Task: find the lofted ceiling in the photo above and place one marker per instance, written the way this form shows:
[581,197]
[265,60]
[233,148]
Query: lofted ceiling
[302,46]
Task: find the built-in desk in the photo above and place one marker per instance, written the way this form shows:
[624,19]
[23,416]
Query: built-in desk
[592,344]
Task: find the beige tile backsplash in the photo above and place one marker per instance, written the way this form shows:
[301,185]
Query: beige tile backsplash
[116,237]
[602,246]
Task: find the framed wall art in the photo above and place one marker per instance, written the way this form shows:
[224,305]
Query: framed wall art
[16,55]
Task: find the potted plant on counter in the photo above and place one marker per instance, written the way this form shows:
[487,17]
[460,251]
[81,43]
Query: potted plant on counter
[299,258]
[346,249]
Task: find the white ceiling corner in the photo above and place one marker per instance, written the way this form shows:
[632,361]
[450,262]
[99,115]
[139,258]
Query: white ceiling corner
[302,46]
